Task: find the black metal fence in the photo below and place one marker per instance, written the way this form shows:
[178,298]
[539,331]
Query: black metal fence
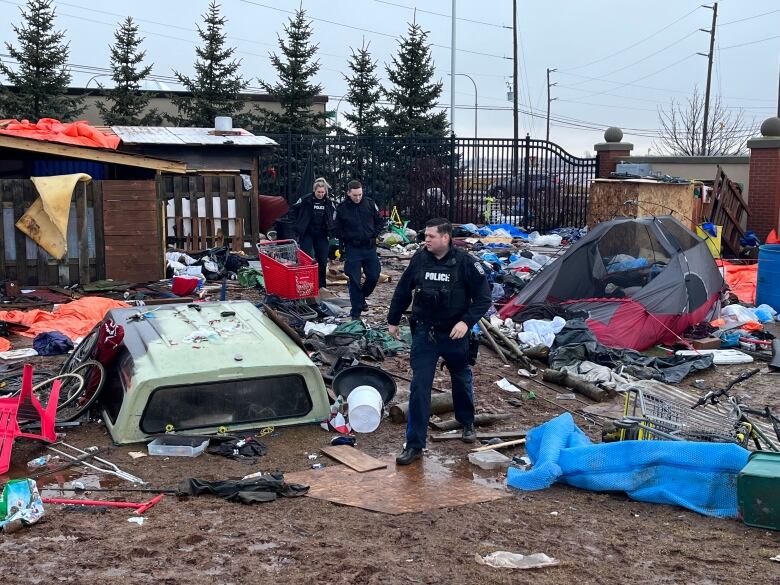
[532,183]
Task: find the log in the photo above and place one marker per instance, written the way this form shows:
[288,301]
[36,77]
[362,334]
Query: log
[479,420]
[449,436]
[492,342]
[440,404]
[537,352]
[575,383]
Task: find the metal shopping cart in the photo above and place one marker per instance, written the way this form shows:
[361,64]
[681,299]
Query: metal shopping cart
[289,274]
[657,413]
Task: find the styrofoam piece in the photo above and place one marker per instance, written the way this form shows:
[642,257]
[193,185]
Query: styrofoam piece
[490,459]
[722,357]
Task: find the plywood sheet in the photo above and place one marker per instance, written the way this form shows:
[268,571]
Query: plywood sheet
[609,199]
[394,490]
[353,458]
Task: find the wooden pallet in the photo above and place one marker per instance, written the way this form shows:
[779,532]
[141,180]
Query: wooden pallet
[726,207]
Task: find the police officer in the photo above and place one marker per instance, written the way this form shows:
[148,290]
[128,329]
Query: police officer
[314,216]
[450,293]
[357,225]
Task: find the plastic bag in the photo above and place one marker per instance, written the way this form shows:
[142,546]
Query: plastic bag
[737,314]
[552,240]
[765,313]
[541,332]
[506,560]
[20,500]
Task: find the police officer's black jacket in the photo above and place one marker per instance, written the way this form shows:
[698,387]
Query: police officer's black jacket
[312,214]
[358,224]
[444,291]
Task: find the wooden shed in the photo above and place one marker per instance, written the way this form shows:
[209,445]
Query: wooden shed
[611,198]
[115,224]
[217,200]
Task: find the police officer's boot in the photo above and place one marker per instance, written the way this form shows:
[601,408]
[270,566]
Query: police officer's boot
[408,455]
[468,436]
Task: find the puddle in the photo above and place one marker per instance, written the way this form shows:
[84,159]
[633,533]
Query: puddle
[436,467]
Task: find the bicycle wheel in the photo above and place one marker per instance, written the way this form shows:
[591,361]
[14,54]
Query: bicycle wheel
[11,384]
[83,351]
[79,402]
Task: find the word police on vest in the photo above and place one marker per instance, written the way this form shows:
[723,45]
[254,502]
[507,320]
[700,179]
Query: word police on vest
[437,276]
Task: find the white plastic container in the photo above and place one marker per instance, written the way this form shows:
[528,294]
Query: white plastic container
[365,409]
[174,446]
[223,123]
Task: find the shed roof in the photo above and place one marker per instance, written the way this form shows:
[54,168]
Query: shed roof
[104,155]
[182,136]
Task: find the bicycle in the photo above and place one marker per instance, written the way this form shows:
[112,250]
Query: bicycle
[738,410]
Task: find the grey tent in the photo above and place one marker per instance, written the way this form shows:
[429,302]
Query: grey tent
[642,281]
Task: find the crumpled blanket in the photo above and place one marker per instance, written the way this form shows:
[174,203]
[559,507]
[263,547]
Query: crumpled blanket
[264,488]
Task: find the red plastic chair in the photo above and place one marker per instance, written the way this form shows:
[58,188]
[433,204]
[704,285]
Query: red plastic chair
[30,408]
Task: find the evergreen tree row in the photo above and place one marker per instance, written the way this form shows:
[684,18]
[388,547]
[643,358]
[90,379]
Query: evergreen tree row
[37,81]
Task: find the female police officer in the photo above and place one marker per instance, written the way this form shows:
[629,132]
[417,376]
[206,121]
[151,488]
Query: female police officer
[450,294]
[313,219]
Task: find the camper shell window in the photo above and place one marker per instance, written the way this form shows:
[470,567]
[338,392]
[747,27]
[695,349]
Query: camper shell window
[230,402]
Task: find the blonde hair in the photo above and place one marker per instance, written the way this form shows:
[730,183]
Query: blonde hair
[320,182]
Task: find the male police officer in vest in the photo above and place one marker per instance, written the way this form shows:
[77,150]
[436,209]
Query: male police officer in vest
[357,226]
[450,294]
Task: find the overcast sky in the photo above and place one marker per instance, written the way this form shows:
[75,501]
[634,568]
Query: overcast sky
[617,61]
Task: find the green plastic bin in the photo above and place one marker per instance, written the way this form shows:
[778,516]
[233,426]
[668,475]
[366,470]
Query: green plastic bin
[758,490]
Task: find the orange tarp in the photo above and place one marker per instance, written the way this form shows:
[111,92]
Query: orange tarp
[741,279]
[74,319]
[79,133]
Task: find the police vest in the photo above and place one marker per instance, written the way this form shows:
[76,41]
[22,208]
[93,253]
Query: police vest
[439,294]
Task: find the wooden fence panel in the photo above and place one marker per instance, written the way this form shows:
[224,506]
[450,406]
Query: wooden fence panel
[28,264]
[204,211]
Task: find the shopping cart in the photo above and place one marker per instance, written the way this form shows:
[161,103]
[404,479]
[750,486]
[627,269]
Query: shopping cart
[288,272]
[291,275]
[655,413]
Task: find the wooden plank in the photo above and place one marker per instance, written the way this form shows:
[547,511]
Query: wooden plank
[100,240]
[254,219]
[17,194]
[82,227]
[178,194]
[193,195]
[93,154]
[4,194]
[352,458]
[224,194]
[208,230]
[480,435]
[501,445]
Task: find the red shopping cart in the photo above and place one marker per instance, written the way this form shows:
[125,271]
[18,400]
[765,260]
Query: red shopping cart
[289,273]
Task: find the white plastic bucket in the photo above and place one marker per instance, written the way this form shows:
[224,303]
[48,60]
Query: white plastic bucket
[223,123]
[365,409]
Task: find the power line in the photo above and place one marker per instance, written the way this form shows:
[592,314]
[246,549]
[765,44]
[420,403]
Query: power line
[750,43]
[748,18]
[366,30]
[639,42]
[442,14]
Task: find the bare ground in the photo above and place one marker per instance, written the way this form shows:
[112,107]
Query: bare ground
[599,538]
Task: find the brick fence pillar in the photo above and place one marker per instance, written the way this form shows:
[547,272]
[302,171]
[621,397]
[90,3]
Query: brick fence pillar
[611,152]
[764,191]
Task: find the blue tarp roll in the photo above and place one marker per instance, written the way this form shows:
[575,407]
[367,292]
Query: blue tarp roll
[699,476]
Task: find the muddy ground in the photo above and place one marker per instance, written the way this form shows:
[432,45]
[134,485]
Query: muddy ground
[599,538]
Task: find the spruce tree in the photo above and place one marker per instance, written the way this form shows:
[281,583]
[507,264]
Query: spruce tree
[216,87]
[295,91]
[363,93]
[37,86]
[413,94]
[128,102]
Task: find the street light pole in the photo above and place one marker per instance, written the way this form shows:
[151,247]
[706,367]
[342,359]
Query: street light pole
[476,98]
[514,90]
[452,71]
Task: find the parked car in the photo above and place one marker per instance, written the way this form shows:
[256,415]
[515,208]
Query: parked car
[538,183]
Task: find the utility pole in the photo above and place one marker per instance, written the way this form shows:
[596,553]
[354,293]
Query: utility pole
[452,71]
[514,89]
[709,56]
[778,92]
[549,99]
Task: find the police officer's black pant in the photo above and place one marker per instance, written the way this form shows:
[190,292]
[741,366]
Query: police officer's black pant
[427,348]
[316,245]
[357,260]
